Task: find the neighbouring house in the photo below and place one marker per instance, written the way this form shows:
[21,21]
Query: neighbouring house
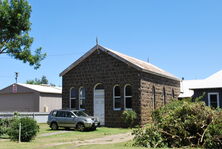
[30,98]
[104,82]
[185,85]
[211,90]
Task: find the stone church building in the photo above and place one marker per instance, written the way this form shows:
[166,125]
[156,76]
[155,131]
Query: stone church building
[104,82]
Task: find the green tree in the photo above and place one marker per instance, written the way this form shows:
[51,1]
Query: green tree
[14,32]
[37,81]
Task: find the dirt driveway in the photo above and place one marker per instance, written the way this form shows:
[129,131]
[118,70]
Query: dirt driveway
[111,139]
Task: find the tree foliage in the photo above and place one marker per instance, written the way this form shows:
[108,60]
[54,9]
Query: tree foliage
[37,81]
[180,124]
[14,32]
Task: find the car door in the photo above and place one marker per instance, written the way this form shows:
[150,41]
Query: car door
[69,121]
[60,118]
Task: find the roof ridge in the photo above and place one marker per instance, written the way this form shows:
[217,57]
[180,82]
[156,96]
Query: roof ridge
[134,62]
[41,88]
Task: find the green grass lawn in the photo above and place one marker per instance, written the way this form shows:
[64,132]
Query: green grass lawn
[67,136]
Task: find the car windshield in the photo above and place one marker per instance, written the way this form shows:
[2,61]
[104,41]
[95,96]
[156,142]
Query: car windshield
[80,113]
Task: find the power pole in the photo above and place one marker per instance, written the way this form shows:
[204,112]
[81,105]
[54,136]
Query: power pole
[16,77]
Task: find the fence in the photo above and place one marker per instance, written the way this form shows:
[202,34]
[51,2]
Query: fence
[40,117]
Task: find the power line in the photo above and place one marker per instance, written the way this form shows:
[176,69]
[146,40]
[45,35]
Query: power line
[50,55]
[5,76]
[65,54]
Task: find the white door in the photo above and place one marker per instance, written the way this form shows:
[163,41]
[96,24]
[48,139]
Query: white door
[99,105]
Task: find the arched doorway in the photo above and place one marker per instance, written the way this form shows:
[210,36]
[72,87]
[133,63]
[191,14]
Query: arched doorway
[99,101]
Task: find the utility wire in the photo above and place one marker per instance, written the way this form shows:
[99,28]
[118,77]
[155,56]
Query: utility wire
[50,55]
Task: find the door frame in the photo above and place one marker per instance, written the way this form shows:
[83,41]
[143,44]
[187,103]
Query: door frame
[94,89]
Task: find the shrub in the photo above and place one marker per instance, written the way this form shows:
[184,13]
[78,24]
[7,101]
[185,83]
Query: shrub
[5,125]
[182,123]
[2,128]
[29,129]
[213,134]
[129,117]
[149,137]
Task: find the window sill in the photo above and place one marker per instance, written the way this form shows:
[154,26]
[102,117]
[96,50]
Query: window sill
[117,109]
[128,109]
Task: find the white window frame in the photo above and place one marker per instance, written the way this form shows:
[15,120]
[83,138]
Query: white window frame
[127,97]
[218,101]
[82,98]
[70,98]
[114,98]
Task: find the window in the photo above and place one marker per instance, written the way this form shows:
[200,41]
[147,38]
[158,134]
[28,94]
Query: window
[82,98]
[53,113]
[164,96]
[99,86]
[213,100]
[69,114]
[80,113]
[173,95]
[154,98]
[73,98]
[60,114]
[116,98]
[128,97]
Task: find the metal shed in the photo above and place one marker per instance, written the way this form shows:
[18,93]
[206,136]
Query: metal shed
[30,98]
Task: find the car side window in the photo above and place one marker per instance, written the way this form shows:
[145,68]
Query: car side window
[60,114]
[69,114]
[57,114]
[54,113]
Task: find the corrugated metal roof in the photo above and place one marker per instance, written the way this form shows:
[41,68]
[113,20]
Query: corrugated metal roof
[136,63]
[213,81]
[43,88]
[185,86]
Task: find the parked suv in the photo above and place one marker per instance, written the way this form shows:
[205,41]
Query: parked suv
[76,119]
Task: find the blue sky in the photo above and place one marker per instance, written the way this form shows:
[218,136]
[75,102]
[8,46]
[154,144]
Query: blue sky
[183,37]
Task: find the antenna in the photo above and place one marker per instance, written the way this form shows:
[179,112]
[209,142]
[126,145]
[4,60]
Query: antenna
[16,77]
[148,59]
[97,41]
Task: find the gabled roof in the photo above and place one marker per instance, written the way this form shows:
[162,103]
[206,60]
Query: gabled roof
[43,88]
[135,63]
[185,86]
[213,81]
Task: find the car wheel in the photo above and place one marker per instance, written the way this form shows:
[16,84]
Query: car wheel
[54,126]
[80,127]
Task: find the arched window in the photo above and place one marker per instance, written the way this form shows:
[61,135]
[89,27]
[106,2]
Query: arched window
[99,86]
[73,98]
[164,96]
[128,97]
[116,98]
[82,98]
[154,98]
[173,95]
